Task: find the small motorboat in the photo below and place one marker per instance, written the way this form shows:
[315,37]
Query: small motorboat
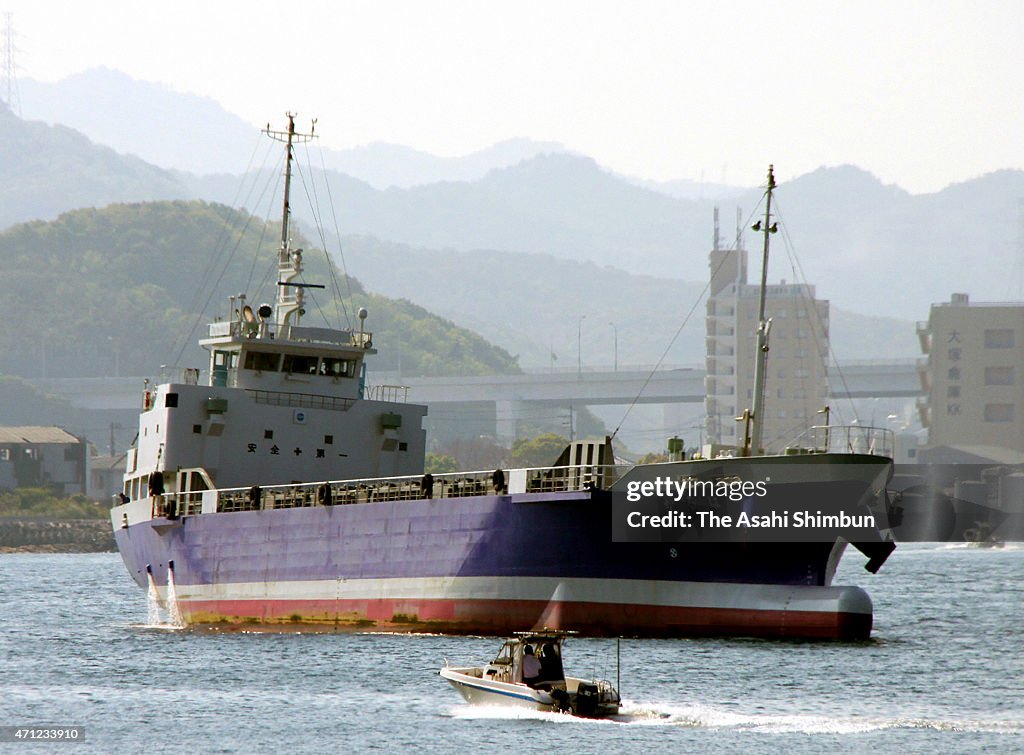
[528,672]
[982,536]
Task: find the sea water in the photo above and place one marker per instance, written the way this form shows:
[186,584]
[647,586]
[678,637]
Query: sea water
[944,672]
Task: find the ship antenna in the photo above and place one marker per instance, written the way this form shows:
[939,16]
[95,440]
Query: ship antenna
[289,298]
[752,442]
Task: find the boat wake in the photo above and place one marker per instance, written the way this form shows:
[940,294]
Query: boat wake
[990,547]
[158,626]
[711,717]
[514,712]
[908,550]
[716,718]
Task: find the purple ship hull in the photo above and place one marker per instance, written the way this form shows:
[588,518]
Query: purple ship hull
[489,564]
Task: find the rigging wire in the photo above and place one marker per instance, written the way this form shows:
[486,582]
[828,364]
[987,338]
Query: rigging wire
[341,251]
[314,204]
[217,252]
[798,272]
[211,259]
[700,298]
[269,182]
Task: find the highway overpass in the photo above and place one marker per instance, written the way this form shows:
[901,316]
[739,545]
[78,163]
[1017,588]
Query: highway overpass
[513,396]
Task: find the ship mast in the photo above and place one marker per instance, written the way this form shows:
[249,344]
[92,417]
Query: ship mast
[289,295]
[753,440]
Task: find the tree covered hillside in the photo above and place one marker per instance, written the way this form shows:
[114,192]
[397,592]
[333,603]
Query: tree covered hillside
[45,170]
[130,288]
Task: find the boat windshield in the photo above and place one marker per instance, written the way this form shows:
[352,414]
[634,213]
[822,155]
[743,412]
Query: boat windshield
[550,656]
[505,655]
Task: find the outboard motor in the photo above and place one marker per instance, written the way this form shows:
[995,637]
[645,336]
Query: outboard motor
[562,699]
[587,699]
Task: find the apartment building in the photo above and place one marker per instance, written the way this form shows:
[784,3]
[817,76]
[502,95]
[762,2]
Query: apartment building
[796,387]
[973,375]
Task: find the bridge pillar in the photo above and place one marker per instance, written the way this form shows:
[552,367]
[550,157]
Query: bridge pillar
[507,414]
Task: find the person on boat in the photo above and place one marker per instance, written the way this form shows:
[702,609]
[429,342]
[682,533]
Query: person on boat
[551,665]
[531,666]
[498,481]
[156,492]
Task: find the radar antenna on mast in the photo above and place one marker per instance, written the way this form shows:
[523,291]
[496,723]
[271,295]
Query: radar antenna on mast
[289,296]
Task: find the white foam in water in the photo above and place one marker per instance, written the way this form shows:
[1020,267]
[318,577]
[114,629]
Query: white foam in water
[514,712]
[710,717]
[155,609]
[152,604]
[173,611]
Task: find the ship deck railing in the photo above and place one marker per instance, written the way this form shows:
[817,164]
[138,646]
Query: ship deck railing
[404,488]
[295,333]
[844,439]
[396,394]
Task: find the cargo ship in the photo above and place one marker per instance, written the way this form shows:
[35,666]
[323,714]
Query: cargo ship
[282,491]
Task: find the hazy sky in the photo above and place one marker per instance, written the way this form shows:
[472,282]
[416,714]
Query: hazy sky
[922,94]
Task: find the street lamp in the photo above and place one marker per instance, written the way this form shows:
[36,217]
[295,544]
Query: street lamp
[579,349]
[615,330]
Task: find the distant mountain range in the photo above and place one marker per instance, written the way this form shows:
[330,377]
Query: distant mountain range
[870,248]
[195,134]
[45,170]
[176,131]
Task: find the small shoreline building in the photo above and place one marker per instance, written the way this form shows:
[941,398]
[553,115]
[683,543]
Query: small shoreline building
[43,457]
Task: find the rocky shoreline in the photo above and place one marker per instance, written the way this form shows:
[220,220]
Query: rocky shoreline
[37,535]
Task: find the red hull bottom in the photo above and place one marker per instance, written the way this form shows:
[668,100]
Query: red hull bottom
[502,617]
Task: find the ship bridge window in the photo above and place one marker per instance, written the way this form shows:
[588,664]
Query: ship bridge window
[227,359]
[298,364]
[262,361]
[338,367]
